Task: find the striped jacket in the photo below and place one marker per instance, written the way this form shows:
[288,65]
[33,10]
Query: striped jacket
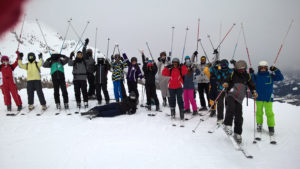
[118,69]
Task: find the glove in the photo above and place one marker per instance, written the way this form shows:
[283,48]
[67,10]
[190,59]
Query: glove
[20,55]
[251,70]
[273,68]
[195,53]
[86,41]
[40,56]
[168,59]
[225,85]
[217,62]
[232,61]
[169,66]
[254,94]
[72,55]
[216,51]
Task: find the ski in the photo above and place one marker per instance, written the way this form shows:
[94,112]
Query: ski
[42,111]
[258,136]
[273,140]
[151,114]
[78,111]
[17,113]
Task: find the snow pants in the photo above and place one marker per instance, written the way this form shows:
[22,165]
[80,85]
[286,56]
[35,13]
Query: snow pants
[151,93]
[132,86]
[234,111]
[108,110]
[91,81]
[11,89]
[60,83]
[188,95]
[102,87]
[220,106]
[177,94]
[35,85]
[203,87]
[164,85]
[117,89]
[80,86]
[269,113]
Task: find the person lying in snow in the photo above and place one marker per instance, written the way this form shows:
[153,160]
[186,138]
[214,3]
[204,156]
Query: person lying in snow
[126,106]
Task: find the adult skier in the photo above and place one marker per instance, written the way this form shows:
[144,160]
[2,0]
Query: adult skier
[163,81]
[118,66]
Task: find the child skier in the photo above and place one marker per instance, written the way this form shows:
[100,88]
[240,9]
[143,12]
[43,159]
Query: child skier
[56,64]
[236,86]
[101,71]
[7,83]
[176,73]
[80,76]
[264,81]
[134,72]
[163,81]
[33,79]
[118,66]
[150,70]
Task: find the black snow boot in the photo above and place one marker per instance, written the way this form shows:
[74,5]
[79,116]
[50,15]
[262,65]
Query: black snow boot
[66,106]
[271,131]
[173,113]
[78,105]
[9,108]
[212,113]
[58,106]
[164,102]
[20,108]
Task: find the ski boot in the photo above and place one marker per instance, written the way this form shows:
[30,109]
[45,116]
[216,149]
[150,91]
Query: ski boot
[148,107]
[271,131]
[117,100]
[9,108]
[272,135]
[78,105]
[173,113]
[187,111]
[31,107]
[219,122]
[86,105]
[66,106]
[181,123]
[195,112]
[259,132]
[99,102]
[157,108]
[58,106]
[20,108]
[202,109]
[228,130]
[164,102]
[44,107]
[259,128]
[213,113]
[237,138]
[107,102]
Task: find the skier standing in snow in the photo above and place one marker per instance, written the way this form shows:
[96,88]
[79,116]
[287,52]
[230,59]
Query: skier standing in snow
[236,86]
[118,66]
[90,63]
[203,81]
[7,83]
[150,70]
[134,72]
[33,78]
[101,70]
[163,81]
[264,81]
[80,75]
[213,85]
[56,64]
[176,73]
[188,89]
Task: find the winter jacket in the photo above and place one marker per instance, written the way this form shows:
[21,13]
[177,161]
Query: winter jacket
[118,69]
[238,83]
[134,71]
[176,74]
[7,72]
[127,106]
[89,60]
[79,69]
[101,73]
[220,76]
[150,75]
[204,73]
[56,62]
[161,65]
[33,69]
[264,84]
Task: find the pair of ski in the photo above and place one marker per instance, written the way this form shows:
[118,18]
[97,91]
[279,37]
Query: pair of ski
[258,137]
[65,110]
[17,113]
[174,124]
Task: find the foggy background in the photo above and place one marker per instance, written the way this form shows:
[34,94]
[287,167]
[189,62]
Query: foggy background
[131,23]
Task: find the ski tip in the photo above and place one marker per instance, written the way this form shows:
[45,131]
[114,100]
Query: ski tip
[273,142]
[193,131]
[254,142]
[250,157]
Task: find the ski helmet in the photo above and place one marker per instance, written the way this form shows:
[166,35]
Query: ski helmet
[133,59]
[187,57]
[100,59]
[4,58]
[241,64]
[263,64]
[224,64]
[175,60]
[132,95]
[31,57]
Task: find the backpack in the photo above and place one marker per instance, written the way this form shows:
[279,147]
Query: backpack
[35,65]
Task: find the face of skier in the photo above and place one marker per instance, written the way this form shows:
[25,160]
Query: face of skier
[79,55]
[133,62]
[262,68]
[175,64]
[203,60]
[241,71]
[5,61]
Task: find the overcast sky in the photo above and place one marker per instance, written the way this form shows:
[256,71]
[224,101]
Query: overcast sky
[133,22]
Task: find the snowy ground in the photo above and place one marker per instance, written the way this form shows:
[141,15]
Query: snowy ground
[138,141]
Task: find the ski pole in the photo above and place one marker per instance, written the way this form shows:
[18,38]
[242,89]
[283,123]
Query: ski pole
[82,35]
[47,47]
[21,32]
[247,50]
[283,41]
[95,42]
[203,50]
[171,54]
[107,48]
[197,40]
[69,21]
[254,141]
[119,49]
[220,34]
[149,50]
[184,43]
[236,44]
[114,49]
[209,109]
[75,32]
[226,35]
[211,42]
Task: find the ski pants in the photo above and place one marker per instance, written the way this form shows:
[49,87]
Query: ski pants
[60,83]
[11,89]
[35,85]
[91,81]
[103,87]
[151,93]
[188,95]
[80,86]
[269,113]
[108,110]
[117,89]
[234,111]
[203,87]
[132,87]
[164,86]
[177,94]
[220,106]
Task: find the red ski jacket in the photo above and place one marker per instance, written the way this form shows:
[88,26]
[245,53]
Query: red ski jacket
[7,72]
[176,80]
